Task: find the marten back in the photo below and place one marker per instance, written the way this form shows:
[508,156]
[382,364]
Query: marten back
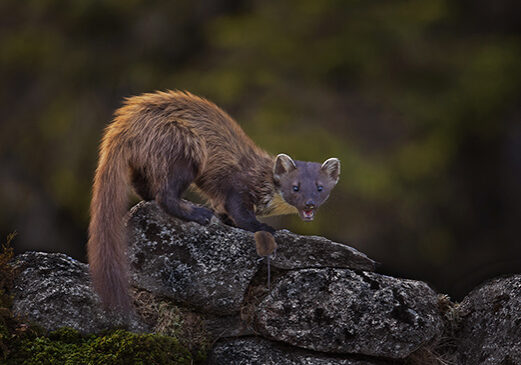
[152,138]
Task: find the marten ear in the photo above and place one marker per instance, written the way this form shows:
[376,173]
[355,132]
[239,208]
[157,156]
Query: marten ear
[283,165]
[331,167]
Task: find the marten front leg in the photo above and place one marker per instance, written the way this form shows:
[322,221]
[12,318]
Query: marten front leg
[169,197]
[240,209]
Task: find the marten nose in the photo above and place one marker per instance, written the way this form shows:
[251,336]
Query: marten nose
[310,204]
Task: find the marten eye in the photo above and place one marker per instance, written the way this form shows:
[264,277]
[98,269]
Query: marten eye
[320,188]
[295,188]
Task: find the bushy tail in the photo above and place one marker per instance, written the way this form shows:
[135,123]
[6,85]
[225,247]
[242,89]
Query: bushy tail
[107,236]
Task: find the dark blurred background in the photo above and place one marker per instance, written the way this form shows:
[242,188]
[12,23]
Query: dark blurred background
[421,100]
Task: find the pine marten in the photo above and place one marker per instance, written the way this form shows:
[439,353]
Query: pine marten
[163,142]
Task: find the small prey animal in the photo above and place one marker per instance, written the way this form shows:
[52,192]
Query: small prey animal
[164,142]
[266,247]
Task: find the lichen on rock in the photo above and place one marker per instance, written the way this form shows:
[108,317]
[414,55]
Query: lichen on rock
[210,267]
[344,311]
[490,329]
[54,290]
[198,285]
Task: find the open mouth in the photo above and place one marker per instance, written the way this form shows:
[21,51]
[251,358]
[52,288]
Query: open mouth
[307,214]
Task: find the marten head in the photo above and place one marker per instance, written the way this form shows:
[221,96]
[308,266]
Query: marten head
[305,185]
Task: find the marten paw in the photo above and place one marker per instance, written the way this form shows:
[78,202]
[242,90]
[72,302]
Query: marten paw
[202,215]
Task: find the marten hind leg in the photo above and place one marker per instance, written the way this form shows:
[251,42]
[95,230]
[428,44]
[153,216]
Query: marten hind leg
[141,185]
[181,175]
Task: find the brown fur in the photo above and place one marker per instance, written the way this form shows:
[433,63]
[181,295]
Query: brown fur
[160,143]
[265,243]
[147,133]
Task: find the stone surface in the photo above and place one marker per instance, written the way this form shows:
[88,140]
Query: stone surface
[225,326]
[54,291]
[490,329]
[210,267]
[314,314]
[296,252]
[343,311]
[205,267]
[257,351]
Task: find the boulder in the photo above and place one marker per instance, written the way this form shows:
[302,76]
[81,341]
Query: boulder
[210,267]
[344,311]
[490,327]
[326,306]
[258,351]
[297,252]
[54,291]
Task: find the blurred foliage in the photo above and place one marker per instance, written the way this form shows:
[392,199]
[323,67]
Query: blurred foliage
[420,100]
[11,325]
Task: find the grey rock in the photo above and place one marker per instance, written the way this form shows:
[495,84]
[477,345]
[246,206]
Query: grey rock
[297,252]
[205,267]
[317,314]
[210,267]
[258,351]
[490,331]
[343,311]
[217,327]
[54,291]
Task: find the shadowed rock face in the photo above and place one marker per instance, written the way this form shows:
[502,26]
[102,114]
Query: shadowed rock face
[257,351]
[490,331]
[326,306]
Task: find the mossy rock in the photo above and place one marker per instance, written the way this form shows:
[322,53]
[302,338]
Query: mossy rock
[67,346]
